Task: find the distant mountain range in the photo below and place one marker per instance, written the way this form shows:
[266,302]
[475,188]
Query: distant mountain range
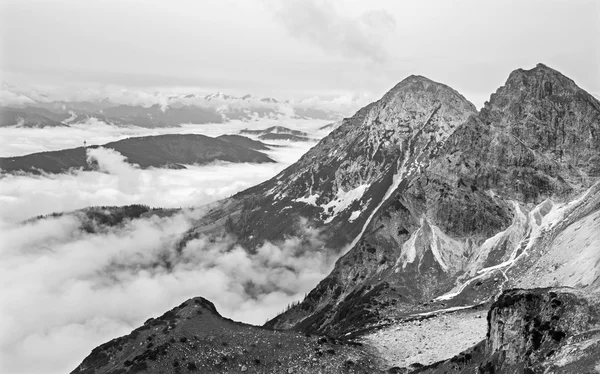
[165,151]
[182,109]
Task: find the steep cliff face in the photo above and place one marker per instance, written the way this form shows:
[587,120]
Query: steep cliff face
[343,179]
[447,233]
[535,331]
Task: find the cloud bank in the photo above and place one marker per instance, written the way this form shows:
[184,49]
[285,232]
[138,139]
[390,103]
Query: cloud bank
[65,291]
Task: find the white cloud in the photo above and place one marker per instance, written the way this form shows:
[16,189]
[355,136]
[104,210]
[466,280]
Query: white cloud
[63,292]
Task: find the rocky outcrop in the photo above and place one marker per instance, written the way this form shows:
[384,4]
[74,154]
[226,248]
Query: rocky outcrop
[193,337]
[535,331]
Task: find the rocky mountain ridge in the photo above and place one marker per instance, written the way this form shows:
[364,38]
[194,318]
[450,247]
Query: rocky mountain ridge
[471,207]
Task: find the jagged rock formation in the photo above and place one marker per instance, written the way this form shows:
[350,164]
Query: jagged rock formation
[172,151]
[535,331]
[194,337]
[475,206]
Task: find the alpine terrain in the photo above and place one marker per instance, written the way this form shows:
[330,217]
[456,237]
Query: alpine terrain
[469,241]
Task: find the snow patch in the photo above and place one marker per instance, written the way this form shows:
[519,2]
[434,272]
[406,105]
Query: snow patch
[354,215]
[343,200]
[310,199]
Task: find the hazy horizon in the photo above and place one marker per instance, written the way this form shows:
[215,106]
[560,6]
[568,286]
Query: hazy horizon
[293,49]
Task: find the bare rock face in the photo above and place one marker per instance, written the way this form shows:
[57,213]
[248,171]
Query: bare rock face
[462,215]
[535,331]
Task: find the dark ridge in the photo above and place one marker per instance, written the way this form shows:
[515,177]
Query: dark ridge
[166,151]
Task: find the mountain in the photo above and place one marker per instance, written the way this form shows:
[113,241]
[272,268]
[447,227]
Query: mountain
[344,178]
[30,117]
[477,213]
[170,151]
[438,212]
[195,337]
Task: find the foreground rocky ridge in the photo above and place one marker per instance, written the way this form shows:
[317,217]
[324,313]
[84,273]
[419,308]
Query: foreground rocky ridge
[194,337]
[528,331]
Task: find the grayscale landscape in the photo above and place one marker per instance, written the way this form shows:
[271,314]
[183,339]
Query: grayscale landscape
[303,186]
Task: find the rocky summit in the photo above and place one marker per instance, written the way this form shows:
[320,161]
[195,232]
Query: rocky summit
[440,213]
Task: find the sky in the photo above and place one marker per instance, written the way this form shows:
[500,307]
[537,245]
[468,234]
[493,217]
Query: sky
[295,48]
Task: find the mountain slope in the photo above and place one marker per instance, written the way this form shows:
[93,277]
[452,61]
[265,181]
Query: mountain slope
[171,150]
[476,204]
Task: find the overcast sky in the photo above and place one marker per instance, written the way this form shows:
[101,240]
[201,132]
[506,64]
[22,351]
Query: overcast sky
[295,48]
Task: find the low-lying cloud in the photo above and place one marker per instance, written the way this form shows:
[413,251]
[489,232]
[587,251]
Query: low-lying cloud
[65,291]
[118,183]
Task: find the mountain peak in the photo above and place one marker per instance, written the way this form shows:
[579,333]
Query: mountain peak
[541,80]
[421,86]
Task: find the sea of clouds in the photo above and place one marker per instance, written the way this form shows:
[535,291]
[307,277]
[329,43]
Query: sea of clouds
[64,290]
